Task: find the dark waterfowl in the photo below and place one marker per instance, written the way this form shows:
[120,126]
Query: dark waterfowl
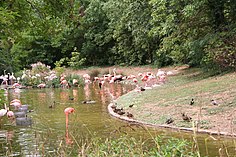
[130,115]
[185,117]
[100,85]
[213,102]
[88,102]
[169,121]
[142,89]
[131,105]
[192,102]
[116,110]
[71,98]
[113,106]
[52,105]
[120,112]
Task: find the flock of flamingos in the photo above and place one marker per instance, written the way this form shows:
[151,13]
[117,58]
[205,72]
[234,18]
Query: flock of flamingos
[142,81]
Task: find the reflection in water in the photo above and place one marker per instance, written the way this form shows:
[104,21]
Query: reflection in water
[69,140]
[87,92]
[48,132]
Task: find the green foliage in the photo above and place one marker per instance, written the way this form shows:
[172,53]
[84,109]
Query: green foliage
[76,61]
[125,32]
[2,97]
[126,146]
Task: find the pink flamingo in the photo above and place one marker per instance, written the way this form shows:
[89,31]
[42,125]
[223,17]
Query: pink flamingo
[68,111]
[41,85]
[64,84]
[16,104]
[15,85]
[15,100]
[62,78]
[135,80]
[3,111]
[10,115]
[75,82]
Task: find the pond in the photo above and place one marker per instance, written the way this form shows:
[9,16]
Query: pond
[48,134]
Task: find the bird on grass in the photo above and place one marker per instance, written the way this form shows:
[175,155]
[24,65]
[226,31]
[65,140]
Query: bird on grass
[169,121]
[192,102]
[116,110]
[185,117]
[131,105]
[142,89]
[213,102]
[120,112]
[113,106]
[130,115]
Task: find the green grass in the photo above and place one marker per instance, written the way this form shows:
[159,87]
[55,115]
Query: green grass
[173,98]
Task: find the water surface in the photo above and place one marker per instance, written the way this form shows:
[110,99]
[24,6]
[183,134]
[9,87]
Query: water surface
[48,134]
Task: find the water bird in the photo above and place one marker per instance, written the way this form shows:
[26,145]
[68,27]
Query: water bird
[100,85]
[120,112]
[113,106]
[52,105]
[3,112]
[10,114]
[169,121]
[88,102]
[192,102]
[131,105]
[213,102]
[71,98]
[185,117]
[116,110]
[130,115]
[68,111]
[142,89]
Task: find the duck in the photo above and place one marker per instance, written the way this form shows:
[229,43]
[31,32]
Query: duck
[52,105]
[120,112]
[142,89]
[131,105]
[71,98]
[130,115]
[116,110]
[192,102]
[113,106]
[100,85]
[213,102]
[185,117]
[169,121]
[88,102]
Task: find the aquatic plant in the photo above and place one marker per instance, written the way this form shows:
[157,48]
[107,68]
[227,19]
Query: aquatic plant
[125,145]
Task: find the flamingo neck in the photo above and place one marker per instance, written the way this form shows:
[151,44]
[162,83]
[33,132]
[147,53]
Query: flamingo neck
[67,120]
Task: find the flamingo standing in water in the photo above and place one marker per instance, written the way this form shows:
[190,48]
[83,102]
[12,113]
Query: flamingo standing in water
[3,111]
[68,111]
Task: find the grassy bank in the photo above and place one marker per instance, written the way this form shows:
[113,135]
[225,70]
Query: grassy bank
[173,98]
